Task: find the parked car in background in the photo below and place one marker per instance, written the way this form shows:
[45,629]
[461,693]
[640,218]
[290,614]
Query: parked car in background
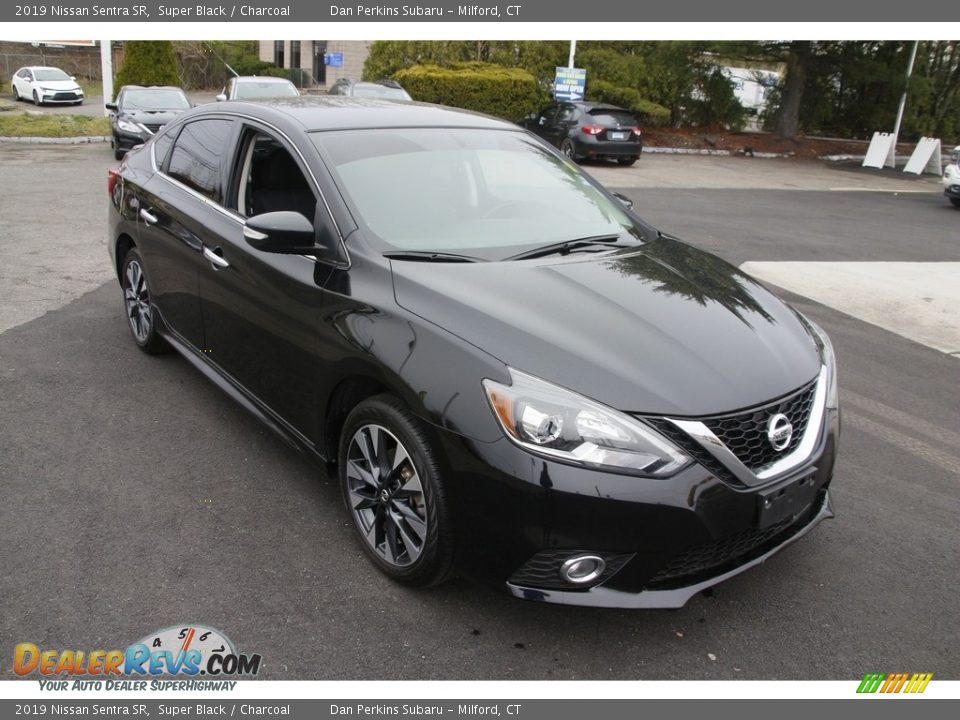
[507,370]
[255,87]
[388,89]
[45,85]
[584,130]
[140,112]
[951,177]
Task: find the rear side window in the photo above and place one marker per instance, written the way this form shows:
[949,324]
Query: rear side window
[161,146]
[195,160]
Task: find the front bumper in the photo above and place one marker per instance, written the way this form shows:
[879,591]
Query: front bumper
[663,540]
[60,97]
[126,140]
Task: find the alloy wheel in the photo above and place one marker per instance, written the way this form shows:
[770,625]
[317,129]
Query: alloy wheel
[386,495]
[136,297]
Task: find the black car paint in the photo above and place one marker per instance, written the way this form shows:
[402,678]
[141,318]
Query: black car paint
[125,139]
[298,341]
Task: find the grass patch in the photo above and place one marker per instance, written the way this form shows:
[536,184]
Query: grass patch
[52,126]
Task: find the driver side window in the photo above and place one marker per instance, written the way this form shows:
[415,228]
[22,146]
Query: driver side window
[270,180]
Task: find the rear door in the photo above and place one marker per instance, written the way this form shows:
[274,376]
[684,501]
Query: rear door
[182,221]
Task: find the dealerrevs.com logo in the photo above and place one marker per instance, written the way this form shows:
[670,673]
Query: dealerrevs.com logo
[179,651]
[889,683]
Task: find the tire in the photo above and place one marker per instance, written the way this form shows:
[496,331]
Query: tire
[36,99]
[16,94]
[117,152]
[627,161]
[399,509]
[569,149]
[955,201]
[137,305]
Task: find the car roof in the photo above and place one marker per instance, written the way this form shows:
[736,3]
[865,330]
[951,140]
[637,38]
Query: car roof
[337,112]
[41,67]
[152,87]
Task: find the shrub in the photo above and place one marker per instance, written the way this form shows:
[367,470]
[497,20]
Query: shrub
[148,62]
[509,93]
[649,112]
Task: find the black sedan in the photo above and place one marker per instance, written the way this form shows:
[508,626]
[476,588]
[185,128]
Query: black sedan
[589,131]
[510,373]
[140,112]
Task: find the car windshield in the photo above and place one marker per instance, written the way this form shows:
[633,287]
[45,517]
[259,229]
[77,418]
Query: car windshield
[50,74]
[155,100]
[605,116]
[252,89]
[489,194]
[375,90]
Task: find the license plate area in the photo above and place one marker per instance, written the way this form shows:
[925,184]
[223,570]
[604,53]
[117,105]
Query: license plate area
[786,500]
[618,135]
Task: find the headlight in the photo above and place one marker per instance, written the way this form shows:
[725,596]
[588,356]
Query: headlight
[829,360]
[129,126]
[549,420]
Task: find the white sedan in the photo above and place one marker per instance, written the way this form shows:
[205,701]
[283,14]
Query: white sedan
[951,177]
[45,85]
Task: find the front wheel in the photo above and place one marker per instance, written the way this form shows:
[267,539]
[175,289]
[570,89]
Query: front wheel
[16,94]
[955,201]
[138,305]
[393,489]
[36,99]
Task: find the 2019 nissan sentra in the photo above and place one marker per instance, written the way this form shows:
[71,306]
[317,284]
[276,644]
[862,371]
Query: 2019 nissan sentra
[140,112]
[509,372]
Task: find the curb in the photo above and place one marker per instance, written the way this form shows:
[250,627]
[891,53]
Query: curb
[722,153]
[56,141]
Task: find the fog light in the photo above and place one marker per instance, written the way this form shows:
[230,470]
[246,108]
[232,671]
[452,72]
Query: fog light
[582,569]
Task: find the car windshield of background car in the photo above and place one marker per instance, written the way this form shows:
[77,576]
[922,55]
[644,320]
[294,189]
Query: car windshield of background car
[155,100]
[485,193]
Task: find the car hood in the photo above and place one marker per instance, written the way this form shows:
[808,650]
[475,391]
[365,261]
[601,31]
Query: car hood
[152,117]
[58,84]
[664,329]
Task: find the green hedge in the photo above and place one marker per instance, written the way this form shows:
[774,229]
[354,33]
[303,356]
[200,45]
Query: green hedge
[648,111]
[509,93]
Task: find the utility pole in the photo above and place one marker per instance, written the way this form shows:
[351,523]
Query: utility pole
[106,68]
[892,155]
[573,51]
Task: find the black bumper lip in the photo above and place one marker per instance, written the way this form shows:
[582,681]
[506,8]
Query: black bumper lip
[604,597]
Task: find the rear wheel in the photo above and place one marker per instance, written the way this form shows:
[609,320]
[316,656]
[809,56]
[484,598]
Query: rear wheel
[569,149]
[393,490]
[138,306]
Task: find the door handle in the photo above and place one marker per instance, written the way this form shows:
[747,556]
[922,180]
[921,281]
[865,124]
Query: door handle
[215,259]
[148,217]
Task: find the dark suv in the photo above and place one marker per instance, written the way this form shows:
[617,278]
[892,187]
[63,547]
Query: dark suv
[584,130]
[387,89]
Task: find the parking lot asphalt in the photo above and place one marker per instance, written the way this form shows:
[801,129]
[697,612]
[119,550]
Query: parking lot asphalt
[137,496]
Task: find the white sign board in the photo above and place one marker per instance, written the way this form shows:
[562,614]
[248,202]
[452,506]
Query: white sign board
[925,158]
[879,150]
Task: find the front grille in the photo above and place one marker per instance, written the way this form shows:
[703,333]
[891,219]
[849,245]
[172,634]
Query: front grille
[543,569]
[65,96]
[710,559]
[152,128]
[745,434]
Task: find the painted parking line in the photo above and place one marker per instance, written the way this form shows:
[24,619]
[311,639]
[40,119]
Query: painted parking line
[919,301]
[897,191]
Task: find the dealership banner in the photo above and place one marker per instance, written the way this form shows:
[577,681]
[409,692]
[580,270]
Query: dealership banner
[532,11]
[598,709]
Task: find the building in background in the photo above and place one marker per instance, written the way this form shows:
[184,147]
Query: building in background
[325,61]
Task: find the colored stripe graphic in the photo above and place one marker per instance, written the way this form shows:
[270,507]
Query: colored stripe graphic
[894,682]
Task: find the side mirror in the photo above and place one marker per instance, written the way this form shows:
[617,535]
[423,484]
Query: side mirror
[285,232]
[624,200]
[73,77]
[221,97]
[110,106]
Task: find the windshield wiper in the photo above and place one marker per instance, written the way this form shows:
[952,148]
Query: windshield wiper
[562,248]
[430,256]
